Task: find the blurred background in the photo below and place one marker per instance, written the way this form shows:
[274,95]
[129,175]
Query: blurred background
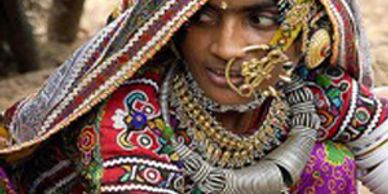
[36,36]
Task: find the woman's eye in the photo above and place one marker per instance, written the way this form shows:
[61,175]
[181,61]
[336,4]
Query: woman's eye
[262,21]
[206,18]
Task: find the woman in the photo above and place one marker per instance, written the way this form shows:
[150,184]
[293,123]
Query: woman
[195,96]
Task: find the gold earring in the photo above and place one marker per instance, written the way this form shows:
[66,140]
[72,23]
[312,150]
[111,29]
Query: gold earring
[318,49]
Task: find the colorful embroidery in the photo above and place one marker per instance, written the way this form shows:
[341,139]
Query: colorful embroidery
[133,170]
[333,90]
[136,157]
[101,163]
[367,113]
[107,62]
[337,153]
[106,77]
[330,170]
[138,110]
[347,110]
[87,141]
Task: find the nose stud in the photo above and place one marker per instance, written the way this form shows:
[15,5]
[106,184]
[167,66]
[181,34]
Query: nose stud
[224,5]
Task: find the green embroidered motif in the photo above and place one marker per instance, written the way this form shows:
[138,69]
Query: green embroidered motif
[337,153]
[89,165]
[323,81]
[94,170]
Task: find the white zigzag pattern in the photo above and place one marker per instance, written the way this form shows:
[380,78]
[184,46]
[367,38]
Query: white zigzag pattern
[133,160]
[144,81]
[100,68]
[121,188]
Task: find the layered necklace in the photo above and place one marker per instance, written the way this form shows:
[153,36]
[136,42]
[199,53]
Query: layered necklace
[218,145]
[274,171]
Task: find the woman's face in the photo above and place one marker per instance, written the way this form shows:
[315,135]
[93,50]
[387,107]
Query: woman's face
[218,33]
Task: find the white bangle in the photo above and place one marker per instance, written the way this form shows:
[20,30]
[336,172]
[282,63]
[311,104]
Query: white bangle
[377,176]
[373,158]
[361,151]
[382,189]
[369,145]
[378,132]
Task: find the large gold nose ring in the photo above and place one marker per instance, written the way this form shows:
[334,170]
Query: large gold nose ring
[256,70]
[251,72]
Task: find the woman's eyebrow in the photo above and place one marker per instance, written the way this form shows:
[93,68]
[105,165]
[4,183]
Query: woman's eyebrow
[260,6]
[263,5]
[209,6]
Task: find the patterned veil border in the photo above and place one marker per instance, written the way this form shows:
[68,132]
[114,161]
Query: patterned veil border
[351,49]
[97,69]
[120,49]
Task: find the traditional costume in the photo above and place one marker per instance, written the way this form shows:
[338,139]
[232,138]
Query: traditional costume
[122,115]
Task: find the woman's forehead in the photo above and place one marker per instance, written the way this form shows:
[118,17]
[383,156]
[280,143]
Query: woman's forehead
[241,4]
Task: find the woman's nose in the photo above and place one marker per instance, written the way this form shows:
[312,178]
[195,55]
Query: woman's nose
[228,41]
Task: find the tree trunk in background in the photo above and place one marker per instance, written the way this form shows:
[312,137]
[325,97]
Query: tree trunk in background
[18,35]
[64,20]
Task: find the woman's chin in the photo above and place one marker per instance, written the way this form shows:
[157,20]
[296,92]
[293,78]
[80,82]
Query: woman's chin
[228,97]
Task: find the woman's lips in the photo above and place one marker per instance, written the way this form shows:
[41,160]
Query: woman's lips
[217,76]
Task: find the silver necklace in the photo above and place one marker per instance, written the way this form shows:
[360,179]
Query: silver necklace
[276,171]
[227,149]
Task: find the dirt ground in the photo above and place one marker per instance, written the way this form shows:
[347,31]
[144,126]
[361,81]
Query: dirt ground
[96,11]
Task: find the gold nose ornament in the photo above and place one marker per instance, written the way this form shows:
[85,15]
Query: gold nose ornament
[256,70]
